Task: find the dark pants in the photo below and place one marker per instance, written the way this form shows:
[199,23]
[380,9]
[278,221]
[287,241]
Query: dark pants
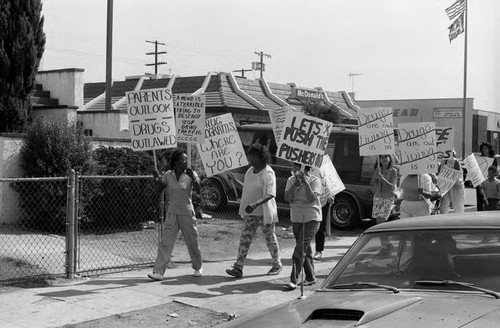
[319,239]
[492,204]
[304,233]
[479,200]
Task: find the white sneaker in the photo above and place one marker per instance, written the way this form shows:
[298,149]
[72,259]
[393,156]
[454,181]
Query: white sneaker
[317,256]
[198,273]
[155,276]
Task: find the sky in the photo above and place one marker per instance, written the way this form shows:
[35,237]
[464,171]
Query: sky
[400,48]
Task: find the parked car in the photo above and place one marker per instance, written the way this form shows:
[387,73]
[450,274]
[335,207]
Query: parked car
[351,206]
[434,271]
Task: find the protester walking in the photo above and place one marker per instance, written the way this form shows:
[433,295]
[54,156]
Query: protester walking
[179,183]
[456,195]
[302,191]
[486,150]
[384,183]
[490,189]
[257,208]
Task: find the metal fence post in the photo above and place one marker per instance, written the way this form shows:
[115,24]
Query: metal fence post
[70,226]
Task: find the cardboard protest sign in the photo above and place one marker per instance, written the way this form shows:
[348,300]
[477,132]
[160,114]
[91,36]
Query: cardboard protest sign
[417,148]
[222,149]
[190,118]
[447,177]
[376,131]
[474,173]
[151,117]
[445,139]
[304,139]
[331,184]
[277,117]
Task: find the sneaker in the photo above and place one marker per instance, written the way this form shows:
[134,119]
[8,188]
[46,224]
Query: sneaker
[274,270]
[291,286]
[318,256]
[308,283]
[198,273]
[155,276]
[235,272]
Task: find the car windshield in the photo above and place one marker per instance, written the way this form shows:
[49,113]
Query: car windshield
[403,259]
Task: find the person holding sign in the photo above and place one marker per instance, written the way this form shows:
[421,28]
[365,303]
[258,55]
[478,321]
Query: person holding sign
[486,151]
[456,195]
[384,183]
[416,193]
[302,191]
[179,183]
[490,189]
[257,208]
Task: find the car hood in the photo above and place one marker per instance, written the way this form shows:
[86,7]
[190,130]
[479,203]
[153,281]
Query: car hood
[374,309]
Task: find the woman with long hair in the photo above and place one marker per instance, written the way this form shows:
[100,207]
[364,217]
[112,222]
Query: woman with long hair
[384,183]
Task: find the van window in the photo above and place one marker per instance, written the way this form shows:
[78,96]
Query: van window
[368,166]
[346,158]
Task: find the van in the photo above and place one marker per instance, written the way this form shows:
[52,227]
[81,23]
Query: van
[351,206]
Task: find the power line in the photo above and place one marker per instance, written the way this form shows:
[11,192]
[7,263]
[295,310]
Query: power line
[156,53]
[259,66]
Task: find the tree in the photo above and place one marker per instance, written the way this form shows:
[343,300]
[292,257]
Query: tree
[22,42]
[330,113]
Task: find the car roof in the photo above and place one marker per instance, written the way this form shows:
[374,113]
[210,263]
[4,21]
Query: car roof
[468,220]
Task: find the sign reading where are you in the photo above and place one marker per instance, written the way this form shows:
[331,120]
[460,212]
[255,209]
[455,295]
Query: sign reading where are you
[222,149]
[304,139]
[190,118]
[376,131]
[417,148]
[151,119]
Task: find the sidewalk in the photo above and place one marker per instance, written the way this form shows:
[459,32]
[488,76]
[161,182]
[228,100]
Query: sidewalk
[107,295]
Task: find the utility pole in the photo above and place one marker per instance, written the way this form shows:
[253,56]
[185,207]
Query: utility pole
[243,71]
[259,66]
[352,76]
[156,53]
[109,55]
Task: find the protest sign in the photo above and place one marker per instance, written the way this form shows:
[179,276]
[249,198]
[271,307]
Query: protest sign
[483,162]
[277,117]
[222,149]
[376,131]
[304,139]
[417,148]
[474,173]
[445,139]
[151,117]
[447,177]
[190,118]
[331,184]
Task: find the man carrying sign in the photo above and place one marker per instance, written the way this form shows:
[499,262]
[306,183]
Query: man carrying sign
[456,194]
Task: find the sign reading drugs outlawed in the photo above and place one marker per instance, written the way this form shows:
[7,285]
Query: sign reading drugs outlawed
[376,131]
[151,117]
[190,118]
[304,139]
[222,150]
[417,148]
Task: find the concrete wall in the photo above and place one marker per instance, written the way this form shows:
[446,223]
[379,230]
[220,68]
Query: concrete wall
[63,84]
[104,124]
[10,144]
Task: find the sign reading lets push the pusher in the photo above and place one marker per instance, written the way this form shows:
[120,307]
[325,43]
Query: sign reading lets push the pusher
[151,117]
[304,139]
[222,150]
[417,148]
[376,131]
[190,118]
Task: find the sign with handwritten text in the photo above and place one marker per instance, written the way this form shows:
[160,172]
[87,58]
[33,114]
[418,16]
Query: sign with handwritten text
[331,184]
[151,117]
[190,118]
[277,117]
[445,139]
[447,177]
[483,162]
[304,139]
[474,173]
[417,148]
[222,149]
[376,131]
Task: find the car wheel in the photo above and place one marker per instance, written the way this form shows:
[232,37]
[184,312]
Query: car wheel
[344,212]
[214,198]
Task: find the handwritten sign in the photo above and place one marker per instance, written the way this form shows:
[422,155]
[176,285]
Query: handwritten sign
[417,148]
[190,118]
[151,117]
[474,173]
[447,177]
[222,149]
[331,184]
[376,131]
[277,117]
[304,139]
[445,139]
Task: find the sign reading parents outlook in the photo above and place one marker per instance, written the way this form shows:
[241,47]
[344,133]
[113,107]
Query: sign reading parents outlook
[304,139]
[190,118]
[222,149]
[417,148]
[376,131]
[151,118]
